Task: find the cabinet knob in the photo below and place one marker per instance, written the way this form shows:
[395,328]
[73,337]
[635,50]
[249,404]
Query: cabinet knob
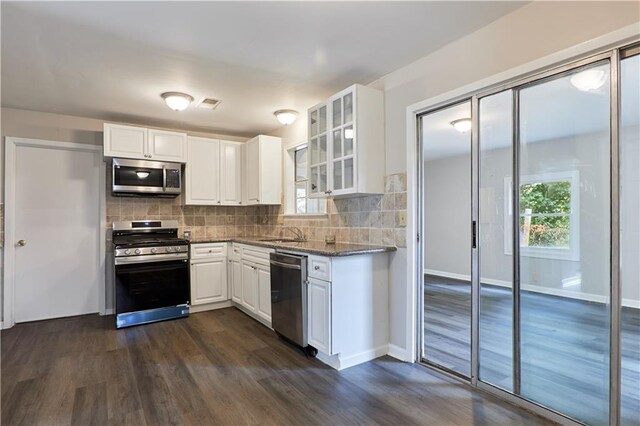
[316,267]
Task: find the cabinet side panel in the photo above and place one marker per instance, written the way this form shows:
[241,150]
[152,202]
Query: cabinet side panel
[270,170]
[370,140]
[360,303]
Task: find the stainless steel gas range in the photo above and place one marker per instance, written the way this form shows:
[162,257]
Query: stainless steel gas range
[151,272]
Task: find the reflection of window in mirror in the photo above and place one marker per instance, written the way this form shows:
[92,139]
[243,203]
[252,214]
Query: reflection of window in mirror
[549,215]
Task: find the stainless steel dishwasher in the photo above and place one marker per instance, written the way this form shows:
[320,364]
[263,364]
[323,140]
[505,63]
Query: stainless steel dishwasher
[289,298]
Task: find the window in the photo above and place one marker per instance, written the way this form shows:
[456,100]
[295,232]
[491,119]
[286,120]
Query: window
[549,220]
[301,203]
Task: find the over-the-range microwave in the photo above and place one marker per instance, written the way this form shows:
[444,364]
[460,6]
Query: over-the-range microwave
[145,178]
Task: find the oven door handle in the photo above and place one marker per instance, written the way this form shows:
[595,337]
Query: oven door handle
[151,258]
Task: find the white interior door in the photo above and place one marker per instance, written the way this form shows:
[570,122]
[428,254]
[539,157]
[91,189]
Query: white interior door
[56,232]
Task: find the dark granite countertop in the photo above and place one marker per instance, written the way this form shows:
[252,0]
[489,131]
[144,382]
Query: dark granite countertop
[312,247]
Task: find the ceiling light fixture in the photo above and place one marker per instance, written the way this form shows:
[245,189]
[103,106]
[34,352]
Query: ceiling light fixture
[463,125]
[588,80]
[286,116]
[177,101]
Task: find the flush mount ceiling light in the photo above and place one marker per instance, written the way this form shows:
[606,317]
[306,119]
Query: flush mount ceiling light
[177,101]
[286,116]
[589,80]
[462,125]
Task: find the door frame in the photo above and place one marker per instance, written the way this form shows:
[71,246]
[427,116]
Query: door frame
[9,251]
[604,47]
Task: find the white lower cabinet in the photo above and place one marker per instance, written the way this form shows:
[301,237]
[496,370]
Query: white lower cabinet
[208,282]
[235,278]
[348,308]
[264,293]
[319,314]
[249,286]
[208,273]
[251,280]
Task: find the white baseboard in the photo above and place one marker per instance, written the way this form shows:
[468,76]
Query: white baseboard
[109,311]
[397,352]
[340,362]
[331,360]
[631,303]
[210,306]
[444,274]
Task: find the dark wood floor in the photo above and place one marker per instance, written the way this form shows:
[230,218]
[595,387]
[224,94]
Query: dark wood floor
[216,367]
[565,344]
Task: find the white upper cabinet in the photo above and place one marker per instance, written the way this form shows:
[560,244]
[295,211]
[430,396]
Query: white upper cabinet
[202,185]
[167,146]
[263,170]
[230,173]
[213,174]
[318,150]
[124,141]
[144,144]
[346,140]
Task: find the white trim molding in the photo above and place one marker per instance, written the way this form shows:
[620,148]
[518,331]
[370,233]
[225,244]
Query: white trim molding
[397,352]
[11,143]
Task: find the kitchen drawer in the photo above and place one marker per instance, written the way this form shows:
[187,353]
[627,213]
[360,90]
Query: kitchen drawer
[256,254]
[208,250]
[320,268]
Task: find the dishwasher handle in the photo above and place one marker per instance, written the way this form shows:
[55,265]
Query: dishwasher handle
[285,265]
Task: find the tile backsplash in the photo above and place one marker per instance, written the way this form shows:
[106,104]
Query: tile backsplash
[374,219]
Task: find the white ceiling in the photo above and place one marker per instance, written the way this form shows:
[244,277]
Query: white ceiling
[111,60]
[551,110]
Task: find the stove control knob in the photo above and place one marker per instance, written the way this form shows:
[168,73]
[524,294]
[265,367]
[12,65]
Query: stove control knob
[127,252]
[169,249]
[154,250]
[137,251]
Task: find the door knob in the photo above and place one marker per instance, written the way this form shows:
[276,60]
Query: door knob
[22,243]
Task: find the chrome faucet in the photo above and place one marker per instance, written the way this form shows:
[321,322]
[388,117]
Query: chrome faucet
[296,231]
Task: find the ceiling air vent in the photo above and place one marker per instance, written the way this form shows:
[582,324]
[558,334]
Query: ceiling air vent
[208,103]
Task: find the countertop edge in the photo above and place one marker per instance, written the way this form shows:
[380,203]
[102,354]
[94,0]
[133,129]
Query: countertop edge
[291,247]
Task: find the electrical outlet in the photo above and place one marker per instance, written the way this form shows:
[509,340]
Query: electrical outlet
[229,219]
[265,220]
[402,219]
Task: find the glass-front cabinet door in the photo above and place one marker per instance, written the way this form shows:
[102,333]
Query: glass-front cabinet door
[342,165]
[318,151]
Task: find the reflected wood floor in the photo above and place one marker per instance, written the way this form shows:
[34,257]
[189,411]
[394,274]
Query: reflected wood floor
[216,367]
[565,344]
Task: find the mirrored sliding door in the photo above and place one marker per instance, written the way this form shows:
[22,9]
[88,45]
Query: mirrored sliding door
[496,240]
[565,241]
[531,222]
[630,236]
[446,169]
